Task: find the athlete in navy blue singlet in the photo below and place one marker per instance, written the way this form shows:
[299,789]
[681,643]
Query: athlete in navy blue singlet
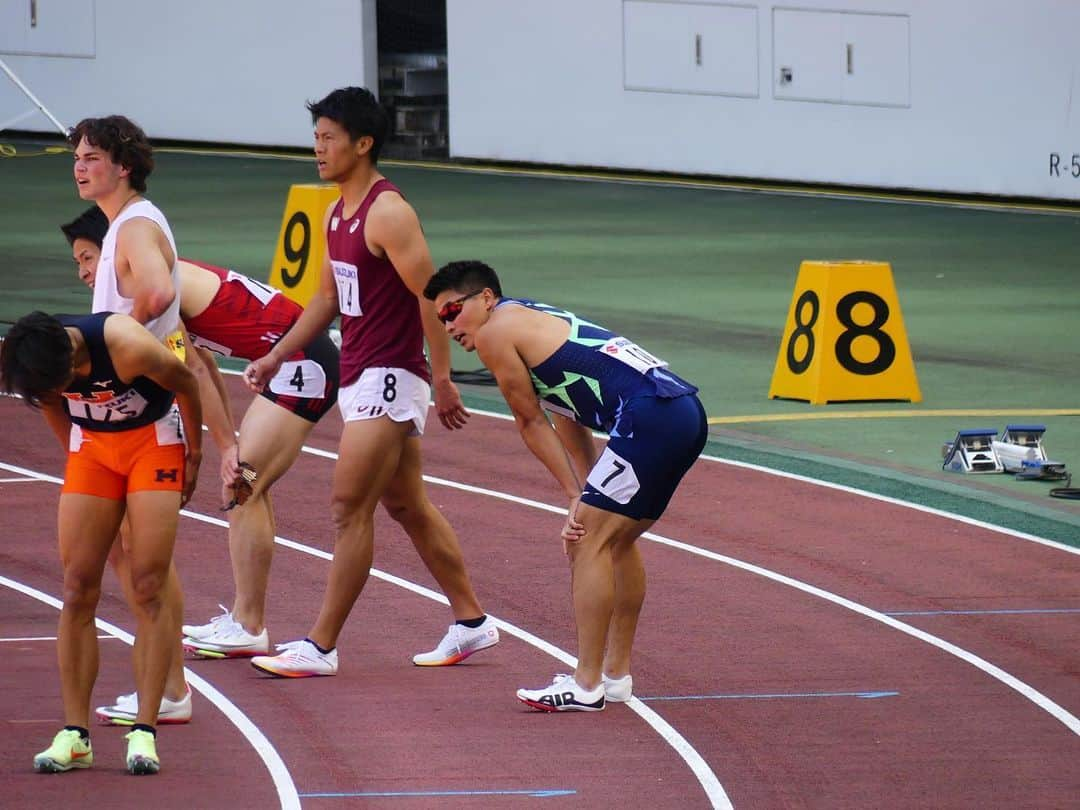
[550,361]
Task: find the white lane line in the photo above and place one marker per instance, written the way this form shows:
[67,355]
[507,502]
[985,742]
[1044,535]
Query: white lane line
[43,638]
[709,783]
[861,493]
[280,774]
[283,781]
[1039,699]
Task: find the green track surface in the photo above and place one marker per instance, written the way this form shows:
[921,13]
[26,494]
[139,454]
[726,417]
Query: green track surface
[700,276]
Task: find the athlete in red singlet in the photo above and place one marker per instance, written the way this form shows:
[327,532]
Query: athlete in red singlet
[374,275]
[233,315]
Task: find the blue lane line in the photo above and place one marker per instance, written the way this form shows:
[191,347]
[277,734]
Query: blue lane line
[863,695]
[979,612]
[540,793]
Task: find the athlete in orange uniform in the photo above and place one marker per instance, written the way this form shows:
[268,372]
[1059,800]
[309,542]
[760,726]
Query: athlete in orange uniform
[106,387]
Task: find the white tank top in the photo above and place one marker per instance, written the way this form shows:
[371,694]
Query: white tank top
[107,297]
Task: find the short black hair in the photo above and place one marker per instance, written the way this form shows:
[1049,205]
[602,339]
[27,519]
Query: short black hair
[125,142]
[358,112]
[35,357]
[463,276]
[91,224]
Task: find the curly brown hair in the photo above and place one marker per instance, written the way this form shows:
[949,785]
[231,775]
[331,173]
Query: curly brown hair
[125,142]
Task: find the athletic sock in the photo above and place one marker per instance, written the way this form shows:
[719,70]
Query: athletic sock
[473,623]
[317,647]
[144,727]
[84,733]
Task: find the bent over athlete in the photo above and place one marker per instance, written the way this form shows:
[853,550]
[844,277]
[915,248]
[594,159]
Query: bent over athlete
[588,378]
[106,387]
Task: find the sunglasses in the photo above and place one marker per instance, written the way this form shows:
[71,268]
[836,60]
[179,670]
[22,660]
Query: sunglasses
[451,309]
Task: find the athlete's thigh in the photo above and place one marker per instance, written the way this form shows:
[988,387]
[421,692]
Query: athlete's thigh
[406,486]
[153,516]
[368,456]
[270,439]
[87,526]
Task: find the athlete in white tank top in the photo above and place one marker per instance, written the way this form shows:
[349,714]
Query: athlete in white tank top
[107,295]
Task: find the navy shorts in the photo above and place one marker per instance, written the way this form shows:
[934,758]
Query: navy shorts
[651,447]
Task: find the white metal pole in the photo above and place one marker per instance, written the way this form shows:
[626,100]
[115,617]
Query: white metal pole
[33,98]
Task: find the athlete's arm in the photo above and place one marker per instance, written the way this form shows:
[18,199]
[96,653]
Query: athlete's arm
[145,260]
[135,352]
[56,417]
[579,444]
[495,345]
[316,317]
[393,227]
[217,410]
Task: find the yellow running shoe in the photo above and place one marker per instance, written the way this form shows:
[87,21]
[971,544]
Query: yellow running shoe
[142,758]
[68,750]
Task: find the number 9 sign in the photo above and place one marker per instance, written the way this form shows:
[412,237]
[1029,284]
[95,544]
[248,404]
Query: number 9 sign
[844,340]
[301,244]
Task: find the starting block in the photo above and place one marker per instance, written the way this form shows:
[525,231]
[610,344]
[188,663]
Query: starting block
[972,451]
[1018,444]
[1021,451]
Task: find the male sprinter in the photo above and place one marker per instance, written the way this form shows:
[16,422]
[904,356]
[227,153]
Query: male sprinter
[376,267]
[235,316]
[106,388]
[137,275]
[587,378]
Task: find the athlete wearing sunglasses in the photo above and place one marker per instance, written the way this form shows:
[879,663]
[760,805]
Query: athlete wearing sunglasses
[451,309]
[550,362]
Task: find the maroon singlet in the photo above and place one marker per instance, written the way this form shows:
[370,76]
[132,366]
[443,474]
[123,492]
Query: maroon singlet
[380,320]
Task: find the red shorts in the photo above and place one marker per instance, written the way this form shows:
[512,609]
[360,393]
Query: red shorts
[110,465]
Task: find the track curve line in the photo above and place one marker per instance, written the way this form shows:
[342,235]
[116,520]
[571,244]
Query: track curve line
[279,772]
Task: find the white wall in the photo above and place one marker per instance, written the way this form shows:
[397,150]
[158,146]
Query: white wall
[207,70]
[986,95]
[991,96]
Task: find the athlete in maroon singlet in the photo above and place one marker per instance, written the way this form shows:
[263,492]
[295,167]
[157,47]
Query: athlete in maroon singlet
[376,267]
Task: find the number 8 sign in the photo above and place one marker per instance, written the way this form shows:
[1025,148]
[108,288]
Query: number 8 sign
[301,243]
[844,340]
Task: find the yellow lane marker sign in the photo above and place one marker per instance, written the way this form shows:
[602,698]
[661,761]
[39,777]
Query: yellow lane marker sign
[844,340]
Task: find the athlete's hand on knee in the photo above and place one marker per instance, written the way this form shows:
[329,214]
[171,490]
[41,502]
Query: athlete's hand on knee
[573,530]
[236,493]
[230,465]
[448,405]
[260,372]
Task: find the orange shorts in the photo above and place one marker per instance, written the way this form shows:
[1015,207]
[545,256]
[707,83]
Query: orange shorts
[110,465]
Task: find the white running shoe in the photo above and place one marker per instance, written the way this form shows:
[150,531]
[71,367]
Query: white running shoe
[229,640]
[564,695]
[297,659]
[198,631]
[618,690]
[459,643]
[126,708]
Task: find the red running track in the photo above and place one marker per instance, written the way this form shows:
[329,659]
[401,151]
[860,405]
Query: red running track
[785,695]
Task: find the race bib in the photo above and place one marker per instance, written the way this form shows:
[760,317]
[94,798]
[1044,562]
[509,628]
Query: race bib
[348,288]
[300,378]
[262,292]
[105,406]
[633,355]
[614,476]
